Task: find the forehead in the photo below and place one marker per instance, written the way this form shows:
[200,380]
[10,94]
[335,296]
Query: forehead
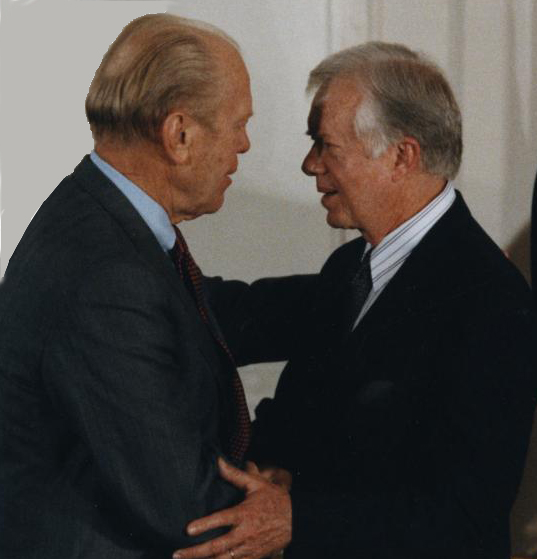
[234,84]
[334,107]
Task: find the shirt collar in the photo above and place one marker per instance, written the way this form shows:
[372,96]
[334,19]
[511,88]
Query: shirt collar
[389,255]
[151,211]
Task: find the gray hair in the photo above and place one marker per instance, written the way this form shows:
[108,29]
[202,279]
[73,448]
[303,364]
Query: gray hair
[405,94]
[157,63]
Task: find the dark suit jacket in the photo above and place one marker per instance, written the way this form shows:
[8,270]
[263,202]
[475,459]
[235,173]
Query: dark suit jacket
[407,438]
[114,398]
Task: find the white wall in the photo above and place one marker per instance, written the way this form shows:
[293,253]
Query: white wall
[272,222]
[51,49]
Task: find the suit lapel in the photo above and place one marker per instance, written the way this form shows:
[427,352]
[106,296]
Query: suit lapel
[97,185]
[334,296]
[429,277]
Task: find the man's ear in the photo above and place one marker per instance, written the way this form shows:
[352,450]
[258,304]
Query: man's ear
[407,157]
[177,132]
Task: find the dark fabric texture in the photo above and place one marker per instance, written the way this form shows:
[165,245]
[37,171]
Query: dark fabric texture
[407,439]
[534,240]
[115,400]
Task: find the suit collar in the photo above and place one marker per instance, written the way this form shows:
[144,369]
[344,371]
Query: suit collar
[440,268]
[389,255]
[150,211]
[114,202]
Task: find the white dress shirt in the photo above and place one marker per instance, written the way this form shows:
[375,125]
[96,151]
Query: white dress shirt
[390,254]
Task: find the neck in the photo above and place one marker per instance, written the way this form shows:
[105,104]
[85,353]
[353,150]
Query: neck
[141,164]
[411,198]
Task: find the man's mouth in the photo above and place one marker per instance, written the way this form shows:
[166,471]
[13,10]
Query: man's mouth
[328,193]
[230,172]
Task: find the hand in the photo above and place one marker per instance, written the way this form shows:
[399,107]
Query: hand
[260,525]
[276,475]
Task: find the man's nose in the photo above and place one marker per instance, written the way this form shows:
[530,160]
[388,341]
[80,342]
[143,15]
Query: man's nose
[312,164]
[244,143]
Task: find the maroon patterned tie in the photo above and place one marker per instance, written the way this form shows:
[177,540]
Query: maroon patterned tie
[191,275]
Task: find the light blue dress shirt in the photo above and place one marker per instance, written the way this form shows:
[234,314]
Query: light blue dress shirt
[151,211]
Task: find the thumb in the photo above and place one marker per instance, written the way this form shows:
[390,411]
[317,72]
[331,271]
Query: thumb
[236,477]
[251,468]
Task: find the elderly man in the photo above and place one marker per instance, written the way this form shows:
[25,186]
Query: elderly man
[403,416]
[118,392]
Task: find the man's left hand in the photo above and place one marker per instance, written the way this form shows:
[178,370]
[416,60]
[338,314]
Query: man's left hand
[260,525]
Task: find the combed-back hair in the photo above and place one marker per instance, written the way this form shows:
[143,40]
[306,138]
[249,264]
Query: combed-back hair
[405,94]
[157,63]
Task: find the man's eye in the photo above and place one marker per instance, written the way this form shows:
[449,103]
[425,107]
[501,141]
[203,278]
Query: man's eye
[318,144]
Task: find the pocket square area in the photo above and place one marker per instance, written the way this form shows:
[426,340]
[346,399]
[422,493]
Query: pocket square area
[376,392]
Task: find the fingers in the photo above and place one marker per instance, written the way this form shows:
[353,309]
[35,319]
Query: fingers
[212,548]
[236,553]
[283,478]
[278,476]
[226,517]
[261,523]
[242,480]
[251,468]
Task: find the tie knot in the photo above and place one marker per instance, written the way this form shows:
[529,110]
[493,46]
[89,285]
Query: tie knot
[185,264]
[363,274]
[180,243]
[366,260]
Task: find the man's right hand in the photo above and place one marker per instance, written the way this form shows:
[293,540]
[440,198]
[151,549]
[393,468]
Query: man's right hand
[276,475]
[259,526]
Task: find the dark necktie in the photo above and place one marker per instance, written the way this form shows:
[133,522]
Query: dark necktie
[359,289]
[191,275]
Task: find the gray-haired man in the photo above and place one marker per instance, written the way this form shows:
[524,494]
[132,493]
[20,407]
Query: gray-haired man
[402,419]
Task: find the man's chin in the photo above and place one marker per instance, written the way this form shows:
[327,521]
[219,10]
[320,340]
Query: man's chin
[215,205]
[334,222]
[204,209]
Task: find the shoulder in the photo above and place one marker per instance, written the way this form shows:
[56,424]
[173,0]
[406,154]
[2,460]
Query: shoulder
[122,277]
[461,257]
[343,256]
[484,264]
[76,251]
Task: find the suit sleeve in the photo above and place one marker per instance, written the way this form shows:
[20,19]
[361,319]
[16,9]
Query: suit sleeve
[264,321]
[118,367]
[271,319]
